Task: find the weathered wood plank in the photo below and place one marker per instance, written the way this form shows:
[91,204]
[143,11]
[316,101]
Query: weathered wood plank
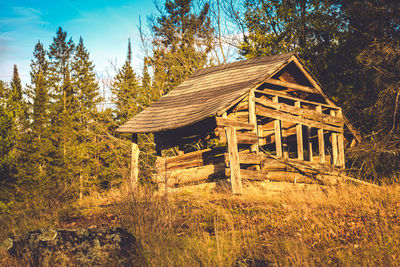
[342,163]
[183,176]
[334,141]
[321,141]
[246,138]
[134,181]
[271,92]
[253,119]
[247,158]
[225,122]
[292,85]
[277,128]
[232,147]
[299,136]
[309,144]
[308,114]
[277,176]
[266,112]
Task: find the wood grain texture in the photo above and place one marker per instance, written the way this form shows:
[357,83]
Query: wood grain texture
[234,165]
[134,181]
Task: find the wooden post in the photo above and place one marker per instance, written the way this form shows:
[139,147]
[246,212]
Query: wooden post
[341,159]
[134,163]
[277,126]
[253,119]
[334,137]
[309,144]
[321,141]
[299,135]
[285,148]
[234,165]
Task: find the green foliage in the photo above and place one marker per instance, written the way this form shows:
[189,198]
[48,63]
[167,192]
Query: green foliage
[181,42]
[126,90]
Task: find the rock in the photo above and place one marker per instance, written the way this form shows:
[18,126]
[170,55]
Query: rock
[81,247]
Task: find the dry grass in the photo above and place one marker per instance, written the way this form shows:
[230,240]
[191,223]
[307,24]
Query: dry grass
[345,226]
[308,226]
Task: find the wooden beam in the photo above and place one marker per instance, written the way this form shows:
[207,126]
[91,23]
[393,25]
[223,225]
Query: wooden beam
[271,92]
[299,136]
[253,119]
[285,147]
[309,144]
[248,138]
[277,127]
[232,147]
[134,176]
[279,115]
[304,113]
[341,161]
[334,141]
[292,86]
[321,141]
[225,122]
[184,176]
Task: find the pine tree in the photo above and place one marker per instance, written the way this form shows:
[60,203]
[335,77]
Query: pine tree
[181,43]
[63,105]
[125,89]
[40,147]
[88,97]
[8,132]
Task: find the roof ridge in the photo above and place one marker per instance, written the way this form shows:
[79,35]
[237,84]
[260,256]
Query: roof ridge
[210,69]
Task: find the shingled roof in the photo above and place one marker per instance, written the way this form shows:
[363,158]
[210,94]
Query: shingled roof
[205,93]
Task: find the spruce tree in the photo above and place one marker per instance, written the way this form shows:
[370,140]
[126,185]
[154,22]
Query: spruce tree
[63,105]
[86,126]
[181,42]
[125,89]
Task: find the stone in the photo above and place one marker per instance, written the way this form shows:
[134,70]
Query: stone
[80,247]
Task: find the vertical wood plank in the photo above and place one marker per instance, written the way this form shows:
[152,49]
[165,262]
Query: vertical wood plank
[134,163]
[341,158]
[278,139]
[309,144]
[334,137]
[285,148]
[234,165]
[321,141]
[299,135]
[253,118]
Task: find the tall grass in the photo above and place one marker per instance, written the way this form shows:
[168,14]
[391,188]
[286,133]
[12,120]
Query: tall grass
[345,226]
[342,225]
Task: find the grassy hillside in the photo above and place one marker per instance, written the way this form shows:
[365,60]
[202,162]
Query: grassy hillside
[346,225]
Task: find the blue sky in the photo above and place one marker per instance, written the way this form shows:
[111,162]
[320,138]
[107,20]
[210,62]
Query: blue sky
[105,26]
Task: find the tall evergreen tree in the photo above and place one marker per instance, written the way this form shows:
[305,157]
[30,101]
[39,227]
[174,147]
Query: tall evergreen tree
[88,97]
[181,43]
[125,89]
[64,104]
[8,132]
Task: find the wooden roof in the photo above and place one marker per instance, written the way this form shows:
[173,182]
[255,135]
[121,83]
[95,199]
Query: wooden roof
[205,93]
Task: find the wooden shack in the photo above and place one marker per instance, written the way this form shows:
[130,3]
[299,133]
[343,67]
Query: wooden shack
[264,118]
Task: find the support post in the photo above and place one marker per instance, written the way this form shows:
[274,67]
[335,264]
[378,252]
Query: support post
[234,165]
[309,144]
[299,135]
[321,141]
[134,163]
[253,119]
[341,160]
[278,139]
[334,137]
[285,147]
